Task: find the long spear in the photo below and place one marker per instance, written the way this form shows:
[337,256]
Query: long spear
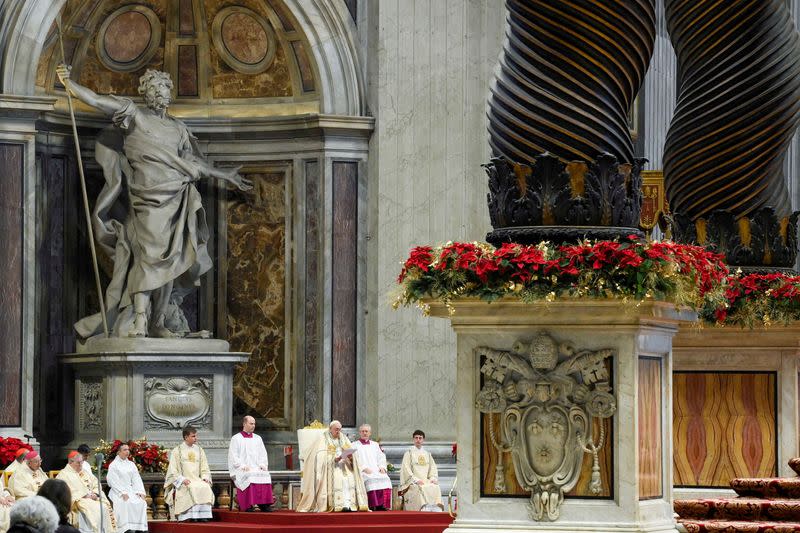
[86,210]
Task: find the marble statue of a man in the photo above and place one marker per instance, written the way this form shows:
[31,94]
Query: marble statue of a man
[149,217]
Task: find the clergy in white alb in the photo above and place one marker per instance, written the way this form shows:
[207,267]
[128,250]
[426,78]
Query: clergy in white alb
[372,462]
[27,478]
[249,468]
[330,480]
[91,511]
[419,478]
[6,501]
[19,458]
[187,488]
[127,492]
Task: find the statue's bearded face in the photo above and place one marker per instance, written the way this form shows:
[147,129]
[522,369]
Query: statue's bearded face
[158,95]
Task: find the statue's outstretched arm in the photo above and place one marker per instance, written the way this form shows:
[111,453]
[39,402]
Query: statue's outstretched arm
[105,104]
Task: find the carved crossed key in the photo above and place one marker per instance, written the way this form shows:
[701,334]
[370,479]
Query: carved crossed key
[548,395]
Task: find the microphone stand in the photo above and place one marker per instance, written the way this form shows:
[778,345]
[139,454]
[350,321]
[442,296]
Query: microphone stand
[99,458]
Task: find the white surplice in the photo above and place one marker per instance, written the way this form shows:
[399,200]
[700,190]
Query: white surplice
[124,480]
[247,461]
[372,458]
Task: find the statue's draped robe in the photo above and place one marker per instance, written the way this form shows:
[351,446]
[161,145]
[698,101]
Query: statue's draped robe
[85,514]
[193,500]
[248,466]
[418,465]
[378,485]
[148,218]
[26,482]
[124,480]
[327,485]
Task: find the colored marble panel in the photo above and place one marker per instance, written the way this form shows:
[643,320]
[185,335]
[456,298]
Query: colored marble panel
[282,12]
[185,18]
[55,307]
[312,404]
[244,38]
[306,74]
[187,70]
[724,426]
[650,471]
[11,177]
[256,284]
[344,286]
[491,458]
[127,37]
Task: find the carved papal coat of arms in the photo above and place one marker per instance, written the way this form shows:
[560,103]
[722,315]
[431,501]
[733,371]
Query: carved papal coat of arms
[548,394]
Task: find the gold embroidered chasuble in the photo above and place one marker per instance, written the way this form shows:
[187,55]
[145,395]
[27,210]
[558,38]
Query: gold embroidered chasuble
[328,485]
[26,482]
[188,462]
[80,485]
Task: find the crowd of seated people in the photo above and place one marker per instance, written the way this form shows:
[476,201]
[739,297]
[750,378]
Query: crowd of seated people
[355,473]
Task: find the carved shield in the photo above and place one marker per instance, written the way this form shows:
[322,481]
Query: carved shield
[548,452]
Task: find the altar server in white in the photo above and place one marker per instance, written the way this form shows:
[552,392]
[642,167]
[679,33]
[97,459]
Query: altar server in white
[127,492]
[249,468]
[419,478]
[372,462]
[187,487]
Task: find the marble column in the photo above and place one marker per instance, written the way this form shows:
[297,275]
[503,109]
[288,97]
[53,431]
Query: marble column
[635,486]
[18,115]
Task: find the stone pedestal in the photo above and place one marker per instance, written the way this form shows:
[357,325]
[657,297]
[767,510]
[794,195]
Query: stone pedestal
[633,343]
[737,405]
[129,388]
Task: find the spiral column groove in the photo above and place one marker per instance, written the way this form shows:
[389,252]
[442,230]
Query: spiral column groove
[568,74]
[738,106]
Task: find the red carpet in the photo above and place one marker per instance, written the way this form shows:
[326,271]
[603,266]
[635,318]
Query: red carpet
[764,505]
[385,521]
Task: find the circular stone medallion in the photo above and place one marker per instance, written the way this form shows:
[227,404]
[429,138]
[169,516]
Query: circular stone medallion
[128,38]
[244,39]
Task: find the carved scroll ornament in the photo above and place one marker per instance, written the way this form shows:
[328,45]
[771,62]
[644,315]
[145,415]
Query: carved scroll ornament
[548,395]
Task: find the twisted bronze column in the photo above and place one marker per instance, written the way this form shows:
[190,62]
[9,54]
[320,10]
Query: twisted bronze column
[563,164]
[738,107]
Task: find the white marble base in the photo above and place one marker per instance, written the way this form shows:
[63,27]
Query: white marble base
[633,332]
[129,395]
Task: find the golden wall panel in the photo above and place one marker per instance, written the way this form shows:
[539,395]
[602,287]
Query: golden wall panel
[724,426]
[256,282]
[650,472]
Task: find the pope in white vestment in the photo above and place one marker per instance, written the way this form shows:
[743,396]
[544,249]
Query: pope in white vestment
[27,478]
[188,484]
[330,481]
[6,501]
[372,462]
[127,492]
[91,511]
[248,466]
[419,478]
